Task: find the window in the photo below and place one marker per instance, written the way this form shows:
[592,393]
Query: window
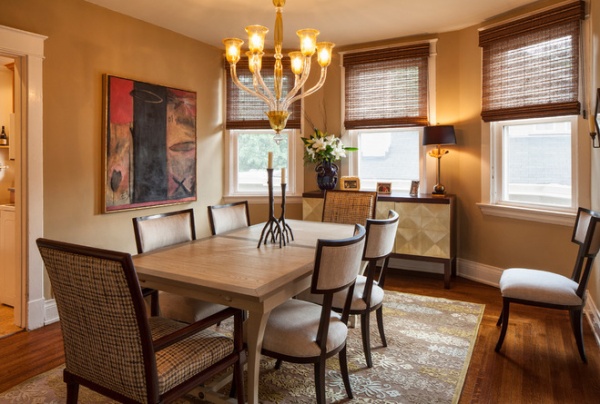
[533,162]
[530,81]
[387,155]
[249,137]
[247,161]
[386,105]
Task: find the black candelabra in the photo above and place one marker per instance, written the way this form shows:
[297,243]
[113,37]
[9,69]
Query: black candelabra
[272,227]
[276,230]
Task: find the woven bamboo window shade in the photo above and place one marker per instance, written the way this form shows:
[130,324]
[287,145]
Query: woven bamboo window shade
[531,65]
[245,111]
[386,87]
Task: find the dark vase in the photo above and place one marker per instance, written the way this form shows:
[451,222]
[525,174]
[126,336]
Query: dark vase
[327,175]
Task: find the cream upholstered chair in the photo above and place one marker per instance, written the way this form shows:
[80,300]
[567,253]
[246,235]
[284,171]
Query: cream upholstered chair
[112,347]
[227,217]
[162,230]
[368,291]
[547,289]
[349,207]
[303,332]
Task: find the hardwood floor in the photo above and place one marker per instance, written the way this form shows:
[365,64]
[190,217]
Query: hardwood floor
[539,362]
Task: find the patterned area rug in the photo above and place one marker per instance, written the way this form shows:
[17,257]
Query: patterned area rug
[430,341]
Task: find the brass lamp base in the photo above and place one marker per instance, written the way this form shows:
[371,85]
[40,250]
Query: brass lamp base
[439,189]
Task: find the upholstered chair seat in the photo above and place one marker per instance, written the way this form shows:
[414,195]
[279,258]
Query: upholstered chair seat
[186,309]
[294,325]
[339,299]
[539,286]
[178,362]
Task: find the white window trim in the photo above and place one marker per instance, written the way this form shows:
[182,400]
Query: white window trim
[295,172]
[560,216]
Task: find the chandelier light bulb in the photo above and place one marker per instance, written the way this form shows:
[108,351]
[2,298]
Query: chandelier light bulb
[308,41]
[324,51]
[297,62]
[233,49]
[256,38]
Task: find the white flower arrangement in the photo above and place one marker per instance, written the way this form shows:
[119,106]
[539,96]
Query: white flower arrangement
[322,147]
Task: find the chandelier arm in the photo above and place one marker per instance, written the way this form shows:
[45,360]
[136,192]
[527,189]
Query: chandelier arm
[238,83]
[313,89]
[298,84]
[269,98]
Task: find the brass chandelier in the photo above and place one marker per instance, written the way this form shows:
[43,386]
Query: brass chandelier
[278,103]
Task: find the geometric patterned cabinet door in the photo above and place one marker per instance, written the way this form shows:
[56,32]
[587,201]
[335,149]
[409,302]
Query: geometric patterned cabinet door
[426,229]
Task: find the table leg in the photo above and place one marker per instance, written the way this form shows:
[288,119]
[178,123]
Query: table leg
[255,326]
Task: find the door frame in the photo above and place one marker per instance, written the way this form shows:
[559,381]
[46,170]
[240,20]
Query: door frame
[28,51]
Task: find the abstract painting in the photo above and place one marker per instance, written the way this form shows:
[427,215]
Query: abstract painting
[149,145]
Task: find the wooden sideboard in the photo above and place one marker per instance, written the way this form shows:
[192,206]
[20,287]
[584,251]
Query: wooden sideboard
[426,231]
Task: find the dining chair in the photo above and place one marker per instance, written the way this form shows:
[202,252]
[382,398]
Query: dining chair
[114,348]
[368,290]
[162,230]
[349,207]
[303,332]
[542,288]
[229,216]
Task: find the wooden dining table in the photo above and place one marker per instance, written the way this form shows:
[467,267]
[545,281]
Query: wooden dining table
[232,270]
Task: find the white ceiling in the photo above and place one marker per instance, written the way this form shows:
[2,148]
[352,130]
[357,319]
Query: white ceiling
[343,22]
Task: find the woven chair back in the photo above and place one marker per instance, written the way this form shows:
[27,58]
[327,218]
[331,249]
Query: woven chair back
[349,207]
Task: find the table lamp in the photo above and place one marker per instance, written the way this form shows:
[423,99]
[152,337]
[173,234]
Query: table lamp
[438,135]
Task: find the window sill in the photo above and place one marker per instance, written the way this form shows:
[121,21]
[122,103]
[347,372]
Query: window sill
[262,199]
[535,215]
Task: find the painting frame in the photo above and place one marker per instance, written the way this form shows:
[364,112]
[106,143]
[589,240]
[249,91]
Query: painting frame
[384,188]
[414,188]
[148,144]
[350,184]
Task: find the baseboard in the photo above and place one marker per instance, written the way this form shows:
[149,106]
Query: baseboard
[593,315]
[35,313]
[477,272]
[50,312]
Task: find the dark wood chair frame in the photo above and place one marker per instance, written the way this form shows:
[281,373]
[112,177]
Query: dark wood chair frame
[150,347]
[581,273]
[327,307]
[374,274]
[153,293]
[211,218]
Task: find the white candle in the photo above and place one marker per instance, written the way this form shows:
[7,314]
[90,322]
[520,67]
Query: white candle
[283,179]
[270,164]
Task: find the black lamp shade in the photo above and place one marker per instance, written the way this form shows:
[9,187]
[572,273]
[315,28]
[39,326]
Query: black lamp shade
[441,134]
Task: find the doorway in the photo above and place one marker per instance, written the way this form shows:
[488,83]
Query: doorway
[27,50]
